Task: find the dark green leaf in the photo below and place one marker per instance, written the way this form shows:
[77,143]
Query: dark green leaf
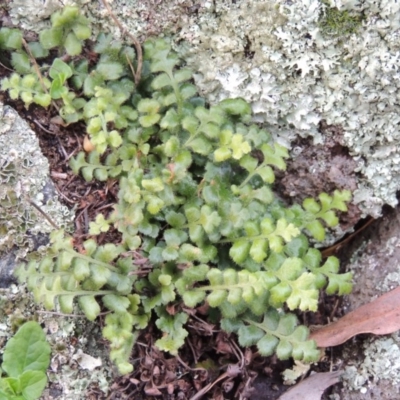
[10,38]
[37,50]
[236,106]
[249,335]
[20,62]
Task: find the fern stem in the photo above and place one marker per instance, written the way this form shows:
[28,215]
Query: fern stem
[93,260]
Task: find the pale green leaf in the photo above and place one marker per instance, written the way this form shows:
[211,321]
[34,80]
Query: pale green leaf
[215,298]
[32,384]
[89,306]
[317,230]
[27,350]
[240,251]
[266,173]
[192,297]
[267,344]
[311,205]
[72,45]
[110,70]
[258,250]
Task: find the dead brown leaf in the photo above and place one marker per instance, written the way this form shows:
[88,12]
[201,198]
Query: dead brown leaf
[313,387]
[152,391]
[381,316]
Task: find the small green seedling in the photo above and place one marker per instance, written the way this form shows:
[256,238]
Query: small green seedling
[25,361]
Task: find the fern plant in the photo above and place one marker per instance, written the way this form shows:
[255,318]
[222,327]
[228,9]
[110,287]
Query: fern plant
[195,200]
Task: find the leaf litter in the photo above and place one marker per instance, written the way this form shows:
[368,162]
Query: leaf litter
[313,387]
[381,317]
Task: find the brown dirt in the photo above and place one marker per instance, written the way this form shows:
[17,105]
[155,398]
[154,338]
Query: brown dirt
[326,167]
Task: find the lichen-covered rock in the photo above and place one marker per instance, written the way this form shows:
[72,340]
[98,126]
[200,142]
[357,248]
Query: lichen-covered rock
[371,363]
[295,75]
[24,183]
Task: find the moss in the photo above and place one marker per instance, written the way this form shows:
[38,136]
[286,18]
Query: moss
[338,23]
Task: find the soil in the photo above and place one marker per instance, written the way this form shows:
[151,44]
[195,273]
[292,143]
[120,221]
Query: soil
[313,169]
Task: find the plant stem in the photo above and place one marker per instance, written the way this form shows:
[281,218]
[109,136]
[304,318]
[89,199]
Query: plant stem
[138,47]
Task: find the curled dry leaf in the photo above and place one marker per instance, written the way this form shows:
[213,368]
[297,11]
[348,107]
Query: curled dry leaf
[152,391]
[313,387]
[381,317]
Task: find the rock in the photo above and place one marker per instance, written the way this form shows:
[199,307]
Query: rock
[24,182]
[371,363]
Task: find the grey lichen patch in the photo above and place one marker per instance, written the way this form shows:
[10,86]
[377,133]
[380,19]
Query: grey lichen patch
[78,361]
[142,18]
[294,77]
[381,363]
[24,174]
